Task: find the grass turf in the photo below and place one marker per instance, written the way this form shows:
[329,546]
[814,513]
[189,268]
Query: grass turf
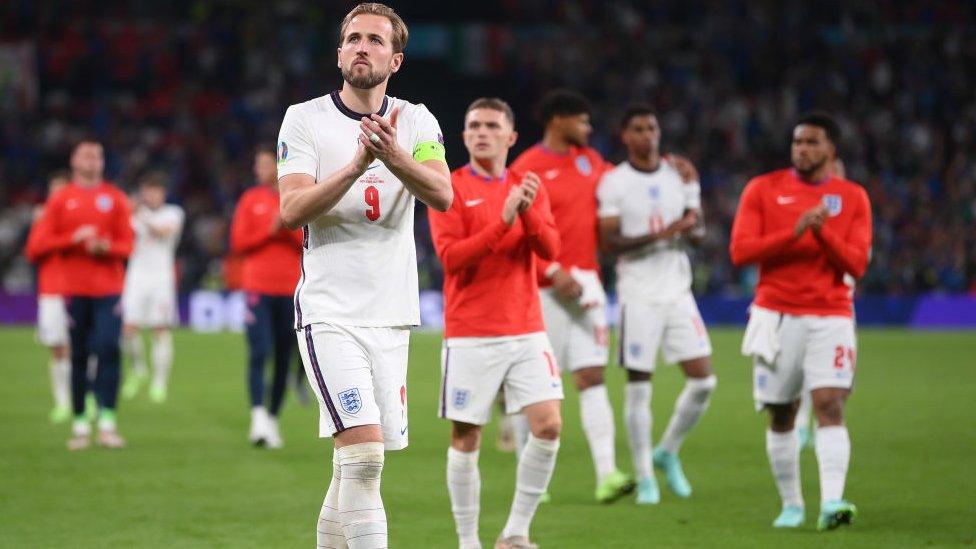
[188,478]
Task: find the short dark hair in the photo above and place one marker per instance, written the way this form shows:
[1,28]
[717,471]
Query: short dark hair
[824,121]
[495,104]
[633,111]
[266,148]
[85,140]
[153,179]
[561,102]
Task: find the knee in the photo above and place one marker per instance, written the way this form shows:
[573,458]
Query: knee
[588,377]
[465,437]
[781,417]
[829,412]
[548,428]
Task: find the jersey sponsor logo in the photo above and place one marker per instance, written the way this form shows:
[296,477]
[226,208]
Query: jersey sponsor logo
[473,202]
[104,203]
[460,398]
[583,165]
[833,203]
[282,152]
[377,165]
[784,200]
[551,174]
[350,400]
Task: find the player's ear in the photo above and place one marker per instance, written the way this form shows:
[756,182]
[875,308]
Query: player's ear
[396,62]
[339,57]
[512,138]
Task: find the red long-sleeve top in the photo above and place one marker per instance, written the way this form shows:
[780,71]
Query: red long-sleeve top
[490,286]
[805,275]
[272,260]
[82,273]
[571,180]
[50,266]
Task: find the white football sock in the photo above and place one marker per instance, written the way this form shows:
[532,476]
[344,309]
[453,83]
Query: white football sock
[134,349]
[833,455]
[783,450]
[535,467]
[464,487]
[361,509]
[162,357]
[803,412]
[688,409]
[521,425]
[597,420]
[329,530]
[637,416]
[61,381]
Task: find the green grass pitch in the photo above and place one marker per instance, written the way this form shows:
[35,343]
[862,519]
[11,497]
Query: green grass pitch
[189,479]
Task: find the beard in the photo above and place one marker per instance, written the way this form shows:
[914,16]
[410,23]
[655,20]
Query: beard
[364,81]
[809,169]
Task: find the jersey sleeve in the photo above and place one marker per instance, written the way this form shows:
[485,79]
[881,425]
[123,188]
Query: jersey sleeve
[244,234]
[749,244]
[608,204]
[43,238]
[296,149]
[692,193]
[849,253]
[428,140]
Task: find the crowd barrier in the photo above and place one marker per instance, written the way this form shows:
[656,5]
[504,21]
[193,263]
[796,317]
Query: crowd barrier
[212,311]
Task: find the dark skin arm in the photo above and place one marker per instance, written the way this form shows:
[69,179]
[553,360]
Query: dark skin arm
[613,242]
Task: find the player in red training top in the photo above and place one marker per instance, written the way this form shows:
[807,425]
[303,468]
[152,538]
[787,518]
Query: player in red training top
[573,301]
[488,242]
[87,222]
[272,265]
[52,318]
[810,233]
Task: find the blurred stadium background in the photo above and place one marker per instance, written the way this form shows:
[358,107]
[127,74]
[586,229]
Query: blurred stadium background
[190,88]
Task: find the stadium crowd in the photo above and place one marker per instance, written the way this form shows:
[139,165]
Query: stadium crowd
[191,88]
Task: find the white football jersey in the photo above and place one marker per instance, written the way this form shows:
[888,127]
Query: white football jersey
[645,203]
[359,263]
[153,262]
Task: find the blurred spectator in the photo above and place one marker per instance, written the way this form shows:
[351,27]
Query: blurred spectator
[190,87]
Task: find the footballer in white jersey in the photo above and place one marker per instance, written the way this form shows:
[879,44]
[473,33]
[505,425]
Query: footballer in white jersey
[648,209]
[350,164]
[149,296]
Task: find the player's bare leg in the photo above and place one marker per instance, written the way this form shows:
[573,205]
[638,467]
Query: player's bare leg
[60,371]
[688,409]
[833,446]
[359,453]
[162,363]
[535,467]
[596,416]
[783,450]
[637,417]
[464,482]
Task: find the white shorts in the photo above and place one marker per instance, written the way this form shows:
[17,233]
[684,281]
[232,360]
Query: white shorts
[359,376]
[149,306]
[52,321]
[579,337]
[814,352]
[474,369]
[644,326]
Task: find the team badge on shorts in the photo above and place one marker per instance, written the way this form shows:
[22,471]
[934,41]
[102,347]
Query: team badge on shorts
[833,203]
[350,401]
[583,165]
[104,203]
[635,350]
[460,398]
